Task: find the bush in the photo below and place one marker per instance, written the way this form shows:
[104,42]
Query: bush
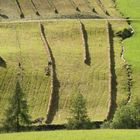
[127,116]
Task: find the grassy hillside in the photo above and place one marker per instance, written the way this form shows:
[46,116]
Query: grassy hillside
[20,43]
[75,135]
[75,76]
[24,45]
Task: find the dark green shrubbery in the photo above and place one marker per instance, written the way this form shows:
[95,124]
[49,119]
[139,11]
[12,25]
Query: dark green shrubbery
[126,117]
[17,114]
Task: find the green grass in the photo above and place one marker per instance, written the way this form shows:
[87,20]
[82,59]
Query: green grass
[75,135]
[132,45]
[129,8]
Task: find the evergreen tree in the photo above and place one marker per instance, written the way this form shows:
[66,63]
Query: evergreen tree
[78,110]
[17,114]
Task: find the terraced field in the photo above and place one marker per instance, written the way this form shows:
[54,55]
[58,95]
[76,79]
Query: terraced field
[46,9]
[85,57]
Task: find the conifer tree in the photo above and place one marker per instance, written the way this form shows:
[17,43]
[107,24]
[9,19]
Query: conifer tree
[17,113]
[78,110]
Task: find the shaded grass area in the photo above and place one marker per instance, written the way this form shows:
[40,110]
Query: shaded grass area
[75,135]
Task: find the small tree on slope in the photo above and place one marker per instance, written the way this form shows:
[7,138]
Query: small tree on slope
[78,110]
[17,114]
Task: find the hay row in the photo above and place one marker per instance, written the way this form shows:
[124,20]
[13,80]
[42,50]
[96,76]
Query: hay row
[75,6]
[51,65]
[20,9]
[51,4]
[35,8]
[84,42]
[89,6]
[102,7]
[110,103]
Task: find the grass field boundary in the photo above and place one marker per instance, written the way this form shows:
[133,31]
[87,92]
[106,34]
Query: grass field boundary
[66,19]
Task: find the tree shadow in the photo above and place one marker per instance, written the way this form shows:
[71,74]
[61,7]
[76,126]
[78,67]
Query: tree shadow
[87,53]
[2,62]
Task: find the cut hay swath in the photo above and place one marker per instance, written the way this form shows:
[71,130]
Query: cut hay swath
[52,5]
[34,8]
[102,7]
[19,9]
